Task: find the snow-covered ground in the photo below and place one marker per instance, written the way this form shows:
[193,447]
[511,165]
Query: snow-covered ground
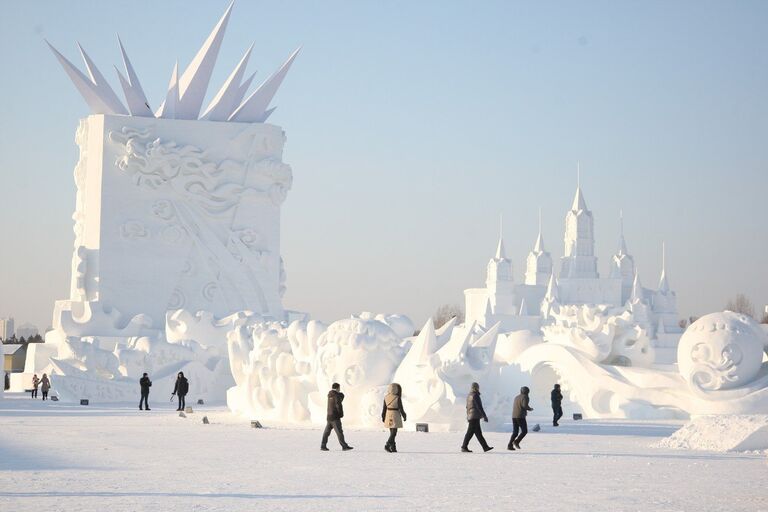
[56,456]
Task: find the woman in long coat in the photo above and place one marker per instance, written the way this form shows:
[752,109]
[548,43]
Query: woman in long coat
[393,414]
[45,385]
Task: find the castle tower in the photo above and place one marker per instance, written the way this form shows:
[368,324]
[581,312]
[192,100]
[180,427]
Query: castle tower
[499,281]
[579,260]
[664,300]
[623,265]
[539,263]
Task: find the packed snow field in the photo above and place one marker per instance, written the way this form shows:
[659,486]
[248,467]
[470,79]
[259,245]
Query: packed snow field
[56,456]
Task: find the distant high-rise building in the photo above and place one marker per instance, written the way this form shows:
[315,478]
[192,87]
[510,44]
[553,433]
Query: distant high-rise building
[6,328]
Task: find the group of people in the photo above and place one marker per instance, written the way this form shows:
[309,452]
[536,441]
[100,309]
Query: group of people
[393,415]
[44,384]
[180,390]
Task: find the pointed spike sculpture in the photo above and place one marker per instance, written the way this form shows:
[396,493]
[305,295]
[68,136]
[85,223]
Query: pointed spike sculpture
[91,92]
[488,339]
[193,83]
[134,94]
[102,85]
[455,350]
[254,109]
[423,346]
[168,108]
[446,329]
[523,308]
[552,294]
[229,97]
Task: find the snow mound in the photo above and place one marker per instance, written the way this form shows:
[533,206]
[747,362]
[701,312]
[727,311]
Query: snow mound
[721,433]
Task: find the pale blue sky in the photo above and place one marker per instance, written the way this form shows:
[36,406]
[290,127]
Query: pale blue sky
[412,125]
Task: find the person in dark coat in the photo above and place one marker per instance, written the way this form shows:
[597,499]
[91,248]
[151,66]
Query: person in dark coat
[45,386]
[557,405]
[35,384]
[520,410]
[392,414]
[145,384]
[333,418]
[475,413]
[181,389]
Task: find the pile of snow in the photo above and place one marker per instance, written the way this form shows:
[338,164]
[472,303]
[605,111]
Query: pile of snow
[721,433]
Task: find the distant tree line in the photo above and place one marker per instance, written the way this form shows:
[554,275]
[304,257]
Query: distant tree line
[13,340]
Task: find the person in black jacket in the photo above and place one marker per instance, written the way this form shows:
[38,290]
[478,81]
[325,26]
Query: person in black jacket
[181,389]
[475,412]
[557,405]
[145,384]
[333,418]
[520,409]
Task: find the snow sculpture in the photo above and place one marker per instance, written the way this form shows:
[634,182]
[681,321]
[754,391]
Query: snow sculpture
[282,373]
[88,367]
[175,210]
[720,373]
[721,351]
[604,334]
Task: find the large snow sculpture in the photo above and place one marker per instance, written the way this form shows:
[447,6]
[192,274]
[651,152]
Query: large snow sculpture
[174,210]
[721,351]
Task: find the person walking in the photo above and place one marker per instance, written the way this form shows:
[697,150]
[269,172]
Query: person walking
[393,415]
[45,386]
[557,405]
[180,389]
[333,418]
[520,410]
[145,384]
[35,384]
[475,413]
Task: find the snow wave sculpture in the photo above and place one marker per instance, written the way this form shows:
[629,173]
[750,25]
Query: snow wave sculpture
[604,334]
[720,373]
[283,372]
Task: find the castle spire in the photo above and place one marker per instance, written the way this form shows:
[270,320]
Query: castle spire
[539,246]
[578,201]
[637,293]
[663,283]
[500,252]
[622,242]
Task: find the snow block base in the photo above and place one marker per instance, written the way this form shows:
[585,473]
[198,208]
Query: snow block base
[722,433]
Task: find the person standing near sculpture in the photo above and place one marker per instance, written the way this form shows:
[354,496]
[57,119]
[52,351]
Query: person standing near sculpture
[45,386]
[393,414]
[333,418]
[520,410]
[35,384]
[475,413]
[557,405]
[180,389]
[145,384]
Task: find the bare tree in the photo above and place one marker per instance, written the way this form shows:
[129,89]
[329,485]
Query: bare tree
[446,312]
[741,304]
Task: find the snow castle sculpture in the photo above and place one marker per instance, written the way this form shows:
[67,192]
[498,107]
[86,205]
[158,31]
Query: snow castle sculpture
[527,305]
[177,208]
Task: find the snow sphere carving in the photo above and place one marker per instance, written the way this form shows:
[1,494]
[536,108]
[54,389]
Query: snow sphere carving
[721,351]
